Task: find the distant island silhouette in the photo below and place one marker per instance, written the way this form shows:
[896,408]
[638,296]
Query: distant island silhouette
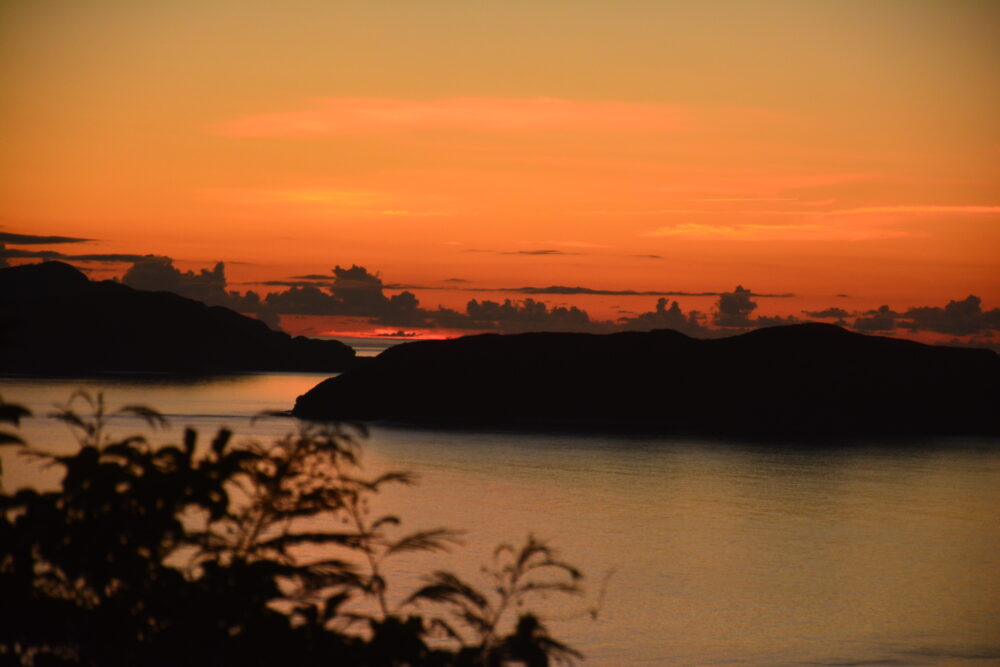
[54,320]
[798,379]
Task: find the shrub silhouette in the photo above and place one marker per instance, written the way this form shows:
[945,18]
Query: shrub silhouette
[513,576]
[190,554]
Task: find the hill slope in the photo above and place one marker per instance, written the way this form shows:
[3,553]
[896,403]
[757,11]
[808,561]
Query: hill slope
[54,320]
[809,378]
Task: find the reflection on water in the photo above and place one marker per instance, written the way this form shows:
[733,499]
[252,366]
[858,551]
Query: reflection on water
[719,552]
[368,347]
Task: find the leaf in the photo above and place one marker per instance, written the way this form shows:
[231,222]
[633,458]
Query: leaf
[147,414]
[444,626]
[70,418]
[12,413]
[190,440]
[10,439]
[396,476]
[437,539]
[332,605]
[554,586]
[221,440]
[388,520]
[282,542]
[446,586]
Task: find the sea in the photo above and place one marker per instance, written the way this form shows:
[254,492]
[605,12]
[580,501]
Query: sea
[696,551]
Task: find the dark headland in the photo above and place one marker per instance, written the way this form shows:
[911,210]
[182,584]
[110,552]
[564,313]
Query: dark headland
[54,320]
[799,379]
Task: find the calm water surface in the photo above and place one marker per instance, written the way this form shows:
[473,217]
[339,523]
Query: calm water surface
[707,551]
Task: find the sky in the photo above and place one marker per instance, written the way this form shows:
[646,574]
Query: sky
[817,148]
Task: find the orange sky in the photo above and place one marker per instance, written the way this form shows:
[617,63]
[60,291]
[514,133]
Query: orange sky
[816,147]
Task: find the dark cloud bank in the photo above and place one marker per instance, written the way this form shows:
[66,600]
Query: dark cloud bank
[355,291]
[17,253]
[34,239]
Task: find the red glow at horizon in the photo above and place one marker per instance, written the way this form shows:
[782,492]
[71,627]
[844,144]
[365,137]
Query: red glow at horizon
[822,148]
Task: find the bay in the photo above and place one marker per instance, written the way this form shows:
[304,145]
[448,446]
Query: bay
[698,551]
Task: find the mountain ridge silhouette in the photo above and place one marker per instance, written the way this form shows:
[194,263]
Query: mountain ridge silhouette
[798,379]
[54,320]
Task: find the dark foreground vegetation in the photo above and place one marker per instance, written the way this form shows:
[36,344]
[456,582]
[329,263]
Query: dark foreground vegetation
[54,320]
[192,554]
[805,379]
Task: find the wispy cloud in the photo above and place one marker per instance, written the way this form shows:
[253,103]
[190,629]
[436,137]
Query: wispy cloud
[922,210]
[34,239]
[539,252]
[743,199]
[326,196]
[568,290]
[346,116]
[324,200]
[52,254]
[793,232]
[580,244]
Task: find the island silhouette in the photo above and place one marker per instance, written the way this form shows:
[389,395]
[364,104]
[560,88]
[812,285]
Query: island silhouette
[54,320]
[798,379]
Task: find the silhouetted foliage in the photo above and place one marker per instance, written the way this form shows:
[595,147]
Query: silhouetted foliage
[514,575]
[192,554]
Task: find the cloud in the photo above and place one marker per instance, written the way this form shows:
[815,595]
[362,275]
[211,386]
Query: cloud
[158,274]
[743,199]
[31,239]
[528,315]
[958,317]
[545,252]
[578,290]
[922,210]
[846,224]
[351,116]
[774,321]
[647,256]
[580,244]
[350,291]
[35,239]
[52,254]
[357,292]
[666,317]
[964,317]
[732,311]
[293,283]
[455,280]
[789,232]
[539,252]
[734,308]
[306,299]
[882,311]
[883,319]
[829,312]
[562,289]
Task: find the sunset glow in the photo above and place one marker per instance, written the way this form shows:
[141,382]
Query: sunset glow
[822,148]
